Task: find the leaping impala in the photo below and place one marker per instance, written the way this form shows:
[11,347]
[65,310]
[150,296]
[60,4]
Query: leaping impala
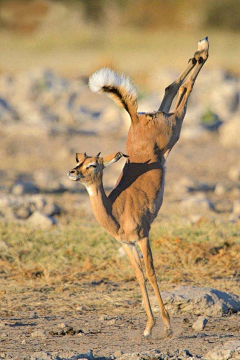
[131,207]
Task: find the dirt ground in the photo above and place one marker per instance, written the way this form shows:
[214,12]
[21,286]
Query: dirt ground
[112,321]
[106,316]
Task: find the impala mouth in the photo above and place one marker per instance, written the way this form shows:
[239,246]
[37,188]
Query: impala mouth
[72,176]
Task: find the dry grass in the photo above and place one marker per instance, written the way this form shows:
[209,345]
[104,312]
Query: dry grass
[77,251]
[79,52]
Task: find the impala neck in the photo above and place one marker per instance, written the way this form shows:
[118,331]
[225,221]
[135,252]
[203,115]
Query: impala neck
[102,208]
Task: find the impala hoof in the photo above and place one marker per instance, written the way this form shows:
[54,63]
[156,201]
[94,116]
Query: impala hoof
[147,333]
[203,44]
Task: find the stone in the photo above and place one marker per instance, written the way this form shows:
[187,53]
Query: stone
[22,212]
[39,202]
[196,219]
[229,350]
[111,322]
[220,189]
[199,301]
[236,207]
[234,173]
[62,325]
[118,353]
[51,209]
[24,188]
[197,202]
[234,218]
[41,355]
[3,246]
[229,133]
[39,220]
[200,323]
[38,334]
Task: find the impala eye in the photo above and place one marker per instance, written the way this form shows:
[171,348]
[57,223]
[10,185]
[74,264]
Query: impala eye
[94,166]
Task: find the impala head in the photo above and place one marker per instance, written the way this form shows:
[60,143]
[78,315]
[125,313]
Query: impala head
[89,169]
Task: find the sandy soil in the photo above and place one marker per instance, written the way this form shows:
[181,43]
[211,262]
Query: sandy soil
[111,320]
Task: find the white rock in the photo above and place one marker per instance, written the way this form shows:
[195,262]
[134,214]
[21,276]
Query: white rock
[200,323]
[62,325]
[38,334]
[39,220]
[220,189]
[234,173]
[3,246]
[229,350]
[198,300]
[229,133]
[236,207]
[24,188]
[234,218]
[41,355]
[198,203]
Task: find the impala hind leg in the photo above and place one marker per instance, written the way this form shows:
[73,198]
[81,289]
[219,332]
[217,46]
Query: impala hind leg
[186,88]
[171,90]
[132,253]
[145,248]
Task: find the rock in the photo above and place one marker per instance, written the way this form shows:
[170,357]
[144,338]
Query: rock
[118,353]
[198,301]
[111,322]
[186,184]
[229,133]
[37,219]
[196,219]
[51,209]
[62,325]
[24,188]
[200,323]
[38,334]
[234,218]
[236,207]
[4,335]
[192,133]
[41,355]
[220,189]
[39,202]
[197,202]
[3,246]
[22,211]
[229,350]
[234,173]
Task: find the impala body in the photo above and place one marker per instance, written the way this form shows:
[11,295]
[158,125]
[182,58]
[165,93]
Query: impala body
[131,207]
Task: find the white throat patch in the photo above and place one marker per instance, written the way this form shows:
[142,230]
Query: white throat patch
[89,190]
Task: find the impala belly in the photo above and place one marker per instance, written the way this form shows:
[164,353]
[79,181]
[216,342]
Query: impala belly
[137,206]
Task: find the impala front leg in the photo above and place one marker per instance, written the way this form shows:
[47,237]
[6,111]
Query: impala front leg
[145,248]
[135,260]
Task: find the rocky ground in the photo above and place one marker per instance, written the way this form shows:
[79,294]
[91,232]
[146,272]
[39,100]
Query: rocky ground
[42,126]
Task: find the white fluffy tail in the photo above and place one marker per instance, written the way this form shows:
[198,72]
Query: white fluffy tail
[119,88]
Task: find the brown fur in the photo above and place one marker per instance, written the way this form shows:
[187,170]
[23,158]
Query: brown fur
[134,203]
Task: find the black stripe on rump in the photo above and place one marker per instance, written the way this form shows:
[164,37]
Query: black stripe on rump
[116,92]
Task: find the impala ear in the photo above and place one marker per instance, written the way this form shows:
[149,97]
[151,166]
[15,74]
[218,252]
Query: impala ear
[112,158]
[80,157]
